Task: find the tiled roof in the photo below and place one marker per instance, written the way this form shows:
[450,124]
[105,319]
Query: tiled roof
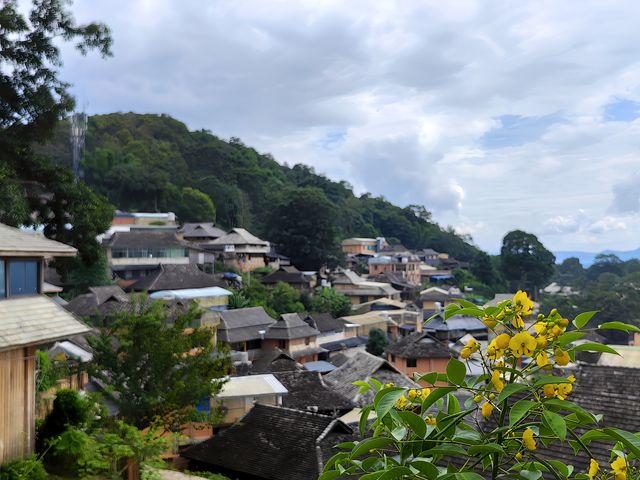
[419,345]
[363,366]
[307,389]
[323,322]
[243,324]
[176,277]
[14,241]
[274,361]
[290,326]
[89,304]
[33,320]
[345,343]
[287,275]
[239,236]
[271,443]
[202,230]
[145,239]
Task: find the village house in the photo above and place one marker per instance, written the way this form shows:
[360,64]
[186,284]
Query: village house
[271,443]
[331,329]
[136,254]
[360,290]
[406,265]
[434,298]
[418,352]
[365,322]
[99,303]
[243,330]
[406,316]
[293,336]
[429,256]
[362,246]
[201,232]
[455,328]
[291,276]
[29,319]
[408,291]
[276,260]
[175,277]
[240,249]
[138,221]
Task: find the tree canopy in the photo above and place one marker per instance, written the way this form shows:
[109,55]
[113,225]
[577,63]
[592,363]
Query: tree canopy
[525,262]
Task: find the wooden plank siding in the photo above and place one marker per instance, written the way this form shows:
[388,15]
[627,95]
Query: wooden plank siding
[17,403]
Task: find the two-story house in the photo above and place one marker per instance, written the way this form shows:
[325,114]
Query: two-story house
[295,337]
[406,265]
[28,319]
[240,249]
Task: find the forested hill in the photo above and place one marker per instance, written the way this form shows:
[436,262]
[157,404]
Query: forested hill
[154,163]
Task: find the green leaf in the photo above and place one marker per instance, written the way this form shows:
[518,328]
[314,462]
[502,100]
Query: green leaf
[543,380]
[569,337]
[582,319]
[330,475]
[446,449]
[556,423]
[625,327]
[594,347]
[370,444]
[385,399]
[565,470]
[372,476]
[364,419]
[364,386]
[592,435]
[332,461]
[473,311]
[467,476]
[453,405]
[425,467]
[628,439]
[399,432]
[580,412]
[465,303]
[430,378]
[435,395]
[394,473]
[415,422]
[376,383]
[530,474]
[486,448]
[510,389]
[519,410]
[456,371]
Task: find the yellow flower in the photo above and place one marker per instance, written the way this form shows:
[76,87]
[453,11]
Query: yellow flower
[527,439]
[564,389]
[477,398]
[522,344]
[540,327]
[496,382]
[471,347]
[619,466]
[556,331]
[487,409]
[593,468]
[563,322]
[557,390]
[549,390]
[522,304]
[424,393]
[412,394]
[572,378]
[562,357]
[493,352]
[519,456]
[489,321]
[502,341]
[542,359]
[430,420]
[542,341]
[401,403]
[517,322]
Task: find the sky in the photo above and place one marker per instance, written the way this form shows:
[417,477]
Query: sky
[495,115]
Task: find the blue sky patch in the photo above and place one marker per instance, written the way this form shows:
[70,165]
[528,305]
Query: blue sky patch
[333,138]
[515,130]
[621,111]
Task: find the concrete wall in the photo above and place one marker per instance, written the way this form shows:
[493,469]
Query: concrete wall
[423,365]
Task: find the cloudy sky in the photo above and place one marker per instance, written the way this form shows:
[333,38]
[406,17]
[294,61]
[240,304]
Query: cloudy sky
[494,115]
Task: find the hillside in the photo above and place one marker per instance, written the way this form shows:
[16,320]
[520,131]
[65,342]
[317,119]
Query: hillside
[587,258]
[145,162]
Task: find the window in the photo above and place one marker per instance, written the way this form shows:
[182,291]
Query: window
[307,340]
[411,362]
[282,344]
[23,277]
[393,358]
[3,291]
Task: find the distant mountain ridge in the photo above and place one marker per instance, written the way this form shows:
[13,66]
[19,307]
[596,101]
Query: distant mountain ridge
[587,258]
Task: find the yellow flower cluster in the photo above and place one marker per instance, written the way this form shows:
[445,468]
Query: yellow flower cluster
[594,468]
[527,439]
[619,467]
[471,347]
[557,390]
[414,396]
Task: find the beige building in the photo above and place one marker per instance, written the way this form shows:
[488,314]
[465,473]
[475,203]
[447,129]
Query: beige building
[28,319]
[294,337]
[360,290]
[407,266]
[360,246]
[240,249]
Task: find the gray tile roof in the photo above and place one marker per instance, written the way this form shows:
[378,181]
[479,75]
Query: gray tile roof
[286,274]
[239,236]
[89,304]
[271,443]
[14,241]
[290,326]
[145,239]
[323,322]
[176,277]
[419,345]
[363,366]
[243,324]
[274,361]
[34,320]
[307,389]
[202,230]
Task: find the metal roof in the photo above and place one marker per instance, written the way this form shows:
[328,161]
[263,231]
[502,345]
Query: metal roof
[16,242]
[252,385]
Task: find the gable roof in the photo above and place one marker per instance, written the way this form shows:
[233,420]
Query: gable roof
[288,274]
[323,322]
[15,242]
[274,361]
[176,277]
[146,239]
[290,326]
[370,318]
[347,277]
[202,230]
[307,389]
[419,345]
[239,236]
[243,324]
[363,366]
[33,320]
[89,304]
[264,442]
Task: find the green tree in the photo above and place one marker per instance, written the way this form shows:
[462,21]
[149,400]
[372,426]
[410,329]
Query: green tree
[376,342]
[483,270]
[570,272]
[160,369]
[526,264]
[284,298]
[302,224]
[33,101]
[195,206]
[328,300]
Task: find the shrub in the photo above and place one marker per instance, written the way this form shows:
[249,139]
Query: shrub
[69,409]
[29,468]
[521,401]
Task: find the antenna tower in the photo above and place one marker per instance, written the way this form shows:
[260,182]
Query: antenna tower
[78,130]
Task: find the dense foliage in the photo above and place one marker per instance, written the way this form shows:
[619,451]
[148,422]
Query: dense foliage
[377,341]
[525,262]
[160,367]
[463,427]
[32,189]
[144,162]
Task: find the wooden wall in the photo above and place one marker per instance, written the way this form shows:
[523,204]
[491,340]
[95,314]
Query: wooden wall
[17,403]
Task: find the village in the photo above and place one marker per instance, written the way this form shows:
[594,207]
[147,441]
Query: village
[289,390]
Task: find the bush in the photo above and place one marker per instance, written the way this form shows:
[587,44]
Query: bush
[29,468]
[69,409]
[521,401]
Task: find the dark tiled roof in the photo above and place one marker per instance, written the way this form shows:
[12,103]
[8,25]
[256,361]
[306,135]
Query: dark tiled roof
[287,275]
[394,279]
[202,230]
[274,361]
[307,389]
[363,366]
[419,345]
[97,301]
[345,343]
[323,322]
[144,239]
[290,326]
[272,443]
[176,277]
[243,324]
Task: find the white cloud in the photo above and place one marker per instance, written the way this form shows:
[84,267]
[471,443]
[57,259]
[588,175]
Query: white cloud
[411,89]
